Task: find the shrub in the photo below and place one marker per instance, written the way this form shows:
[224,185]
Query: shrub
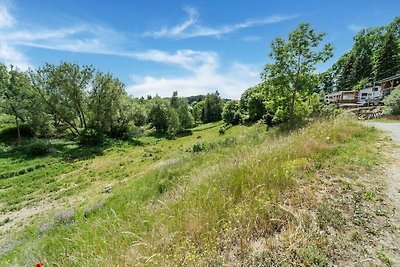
[125,132]
[231,113]
[91,137]
[222,130]
[39,147]
[392,102]
[198,147]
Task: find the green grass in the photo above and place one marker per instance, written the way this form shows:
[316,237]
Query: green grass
[232,202]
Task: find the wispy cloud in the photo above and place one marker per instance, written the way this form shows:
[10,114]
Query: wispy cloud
[204,75]
[203,71]
[81,37]
[191,27]
[6,20]
[355,28]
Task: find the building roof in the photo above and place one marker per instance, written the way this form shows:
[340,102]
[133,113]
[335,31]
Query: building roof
[389,78]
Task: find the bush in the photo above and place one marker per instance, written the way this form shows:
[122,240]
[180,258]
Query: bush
[392,102]
[39,147]
[125,132]
[91,137]
[231,113]
[198,147]
[222,130]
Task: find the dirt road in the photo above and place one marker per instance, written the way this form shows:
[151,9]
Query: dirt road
[393,183]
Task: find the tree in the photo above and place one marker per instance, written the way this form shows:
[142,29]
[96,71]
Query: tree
[106,104]
[160,115]
[244,98]
[392,102]
[292,75]
[198,111]
[231,113]
[14,96]
[212,107]
[388,57]
[256,106]
[174,99]
[63,89]
[185,117]
[181,107]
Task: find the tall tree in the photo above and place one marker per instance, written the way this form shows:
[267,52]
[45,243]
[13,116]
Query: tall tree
[292,74]
[212,107]
[15,96]
[107,102]
[388,57]
[63,89]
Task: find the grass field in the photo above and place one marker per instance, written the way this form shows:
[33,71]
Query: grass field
[243,198]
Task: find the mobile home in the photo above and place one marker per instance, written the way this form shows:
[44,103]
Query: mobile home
[370,96]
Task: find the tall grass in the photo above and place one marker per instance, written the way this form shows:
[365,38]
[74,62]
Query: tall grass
[228,206]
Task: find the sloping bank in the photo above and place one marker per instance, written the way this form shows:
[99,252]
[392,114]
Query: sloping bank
[260,205]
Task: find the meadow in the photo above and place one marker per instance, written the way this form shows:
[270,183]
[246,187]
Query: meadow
[244,197]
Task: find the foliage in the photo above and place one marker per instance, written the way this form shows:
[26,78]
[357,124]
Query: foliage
[212,107]
[198,111]
[63,90]
[256,106]
[392,102]
[388,57]
[374,55]
[91,137]
[292,74]
[38,147]
[181,107]
[106,101]
[231,113]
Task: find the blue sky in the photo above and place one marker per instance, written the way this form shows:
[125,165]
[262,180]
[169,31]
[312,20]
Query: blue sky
[160,46]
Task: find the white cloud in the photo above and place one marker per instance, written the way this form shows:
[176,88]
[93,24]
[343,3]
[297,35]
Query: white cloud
[82,38]
[204,76]
[355,28]
[6,20]
[192,28]
[10,56]
[203,72]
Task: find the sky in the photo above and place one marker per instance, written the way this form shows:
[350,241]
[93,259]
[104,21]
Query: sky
[157,47]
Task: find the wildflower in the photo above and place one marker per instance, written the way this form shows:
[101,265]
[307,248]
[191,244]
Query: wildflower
[39,265]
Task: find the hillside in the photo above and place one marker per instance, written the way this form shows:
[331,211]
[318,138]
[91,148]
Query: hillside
[244,198]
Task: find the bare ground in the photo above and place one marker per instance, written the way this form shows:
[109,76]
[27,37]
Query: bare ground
[390,238]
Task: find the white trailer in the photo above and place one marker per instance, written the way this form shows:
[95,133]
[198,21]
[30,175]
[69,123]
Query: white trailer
[370,96]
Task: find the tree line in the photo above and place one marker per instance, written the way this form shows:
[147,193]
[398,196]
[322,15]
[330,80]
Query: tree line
[290,89]
[375,55]
[91,105]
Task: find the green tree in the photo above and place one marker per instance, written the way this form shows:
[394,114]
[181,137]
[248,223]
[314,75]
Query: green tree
[244,98]
[198,111]
[388,57]
[185,117]
[174,99]
[161,114]
[392,102]
[63,89]
[256,106]
[107,102]
[292,74]
[14,97]
[231,113]
[212,107]
[181,107]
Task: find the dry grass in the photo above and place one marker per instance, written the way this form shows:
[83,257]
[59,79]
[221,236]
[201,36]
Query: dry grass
[248,205]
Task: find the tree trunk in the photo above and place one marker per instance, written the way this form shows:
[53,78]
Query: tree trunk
[291,115]
[18,131]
